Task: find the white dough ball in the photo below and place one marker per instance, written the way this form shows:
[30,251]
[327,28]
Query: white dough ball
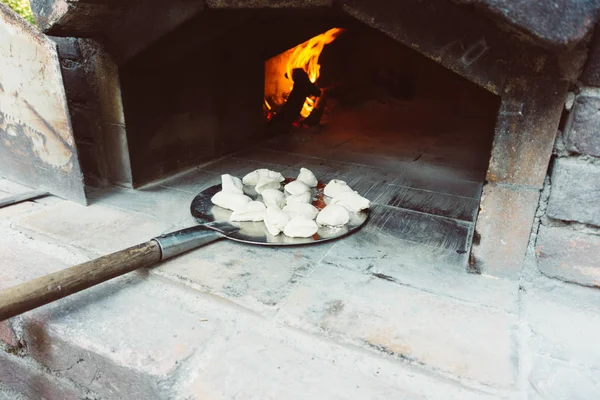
[253,177]
[300,227]
[352,201]
[273,198]
[336,187]
[299,198]
[266,183]
[333,215]
[252,211]
[307,177]
[232,184]
[297,187]
[301,210]
[275,220]
[230,201]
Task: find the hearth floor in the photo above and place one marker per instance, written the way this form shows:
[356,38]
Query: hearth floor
[387,313]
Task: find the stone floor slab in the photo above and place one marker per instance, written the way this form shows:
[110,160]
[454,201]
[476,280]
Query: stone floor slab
[424,267]
[165,204]
[23,259]
[19,376]
[274,362]
[554,379]
[256,277]
[96,229]
[564,321]
[451,337]
[127,338]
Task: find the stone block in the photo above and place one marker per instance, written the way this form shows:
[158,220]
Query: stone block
[468,342]
[423,267]
[97,229]
[270,361]
[168,205]
[564,321]
[555,379]
[575,192]
[259,367]
[502,231]
[569,256]
[21,257]
[258,278]
[19,375]
[525,131]
[582,132]
[9,394]
[16,210]
[128,338]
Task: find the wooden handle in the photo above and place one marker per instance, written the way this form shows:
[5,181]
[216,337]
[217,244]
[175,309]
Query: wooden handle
[46,289]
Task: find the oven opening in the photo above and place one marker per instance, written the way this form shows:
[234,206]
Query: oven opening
[339,98]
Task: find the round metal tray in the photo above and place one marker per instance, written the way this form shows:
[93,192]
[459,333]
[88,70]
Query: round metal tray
[204,211]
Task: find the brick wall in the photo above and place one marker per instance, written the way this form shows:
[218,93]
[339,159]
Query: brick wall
[568,241]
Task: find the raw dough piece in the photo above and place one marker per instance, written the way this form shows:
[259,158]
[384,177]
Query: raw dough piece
[275,220]
[307,177]
[336,187]
[266,183]
[333,215]
[301,210]
[230,201]
[252,211]
[273,198]
[300,227]
[297,187]
[253,177]
[299,198]
[232,184]
[352,201]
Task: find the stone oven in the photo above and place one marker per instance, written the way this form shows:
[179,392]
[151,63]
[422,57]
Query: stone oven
[472,126]
[467,96]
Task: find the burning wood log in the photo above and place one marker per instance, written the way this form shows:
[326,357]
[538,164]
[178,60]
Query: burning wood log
[288,114]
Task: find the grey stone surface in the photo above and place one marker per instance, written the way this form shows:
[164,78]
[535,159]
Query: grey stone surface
[127,338]
[25,381]
[569,255]
[555,379]
[9,394]
[368,316]
[502,231]
[526,129]
[167,205]
[575,192]
[582,133]
[431,269]
[564,320]
[269,361]
[96,229]
[21,257]
[256,277]
[371,312]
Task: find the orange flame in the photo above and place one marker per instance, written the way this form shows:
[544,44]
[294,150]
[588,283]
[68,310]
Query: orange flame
[278,71]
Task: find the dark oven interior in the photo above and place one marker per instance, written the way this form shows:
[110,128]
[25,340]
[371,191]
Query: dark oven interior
[412,136]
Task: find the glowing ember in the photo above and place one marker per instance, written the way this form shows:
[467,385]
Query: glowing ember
[278,72]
